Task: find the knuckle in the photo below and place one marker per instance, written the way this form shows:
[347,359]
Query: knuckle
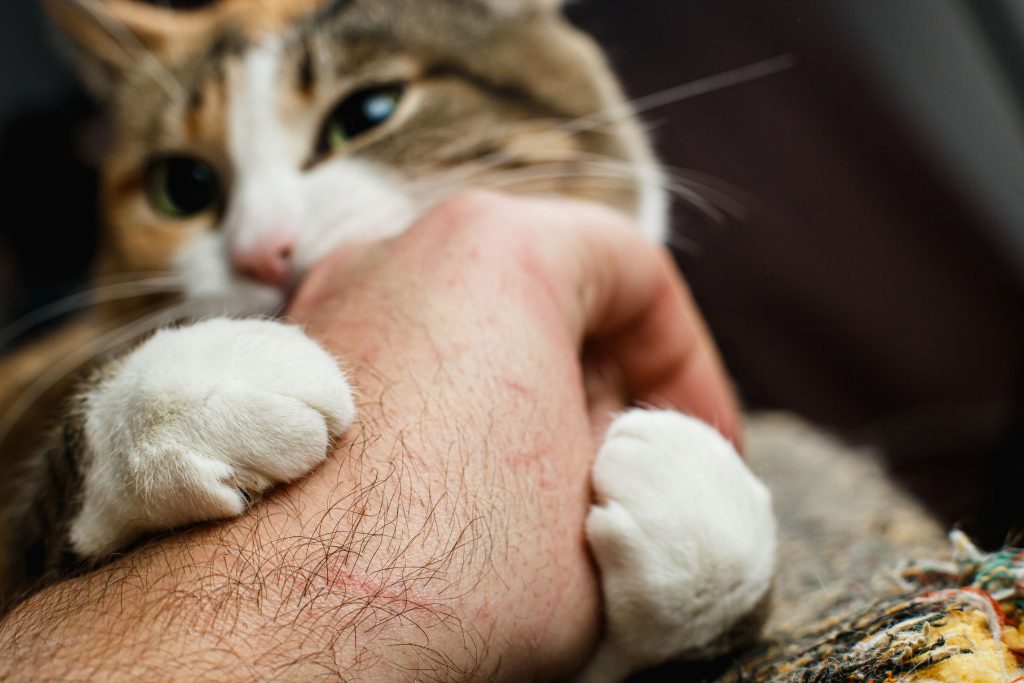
[471,206]
[471,216]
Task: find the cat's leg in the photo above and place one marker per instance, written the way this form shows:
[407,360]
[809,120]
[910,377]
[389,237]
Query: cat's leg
[684,539]
[196,420]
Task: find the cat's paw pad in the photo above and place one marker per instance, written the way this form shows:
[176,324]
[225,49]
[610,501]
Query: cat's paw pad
[683,535]
[197,420]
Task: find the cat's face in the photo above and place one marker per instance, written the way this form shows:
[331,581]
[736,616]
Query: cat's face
[255,135]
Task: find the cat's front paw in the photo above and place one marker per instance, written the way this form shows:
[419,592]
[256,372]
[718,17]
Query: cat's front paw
[684,538]
[197,420]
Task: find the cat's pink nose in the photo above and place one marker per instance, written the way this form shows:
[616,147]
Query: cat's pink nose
[269,261]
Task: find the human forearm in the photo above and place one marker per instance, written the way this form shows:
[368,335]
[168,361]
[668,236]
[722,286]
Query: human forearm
[408,550]
[399,569]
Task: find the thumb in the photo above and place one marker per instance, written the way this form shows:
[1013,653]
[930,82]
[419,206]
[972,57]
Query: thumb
[637,315]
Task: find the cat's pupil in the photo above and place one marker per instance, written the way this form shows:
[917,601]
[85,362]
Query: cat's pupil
[358,114]
[180,187]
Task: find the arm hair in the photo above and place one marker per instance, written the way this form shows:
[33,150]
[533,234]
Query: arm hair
[344,598]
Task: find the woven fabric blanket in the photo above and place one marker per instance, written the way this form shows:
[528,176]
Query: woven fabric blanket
[869,586]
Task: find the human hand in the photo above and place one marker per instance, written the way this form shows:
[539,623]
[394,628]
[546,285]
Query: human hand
[511,290]
[619,295]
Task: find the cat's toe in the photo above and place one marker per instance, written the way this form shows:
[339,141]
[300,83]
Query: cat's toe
[198,420]
[265,438]
[683,536]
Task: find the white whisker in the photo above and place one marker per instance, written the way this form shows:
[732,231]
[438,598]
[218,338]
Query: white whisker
[614,178]
[701,86]
[676,241]
[594,121]
[709,84]
[135,49]
[595,167]
[84,299]
[694,188]
[68,364]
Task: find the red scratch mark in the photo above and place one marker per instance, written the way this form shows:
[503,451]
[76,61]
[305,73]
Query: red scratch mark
[518,388]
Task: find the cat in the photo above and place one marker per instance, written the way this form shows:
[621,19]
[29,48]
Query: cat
[252,137]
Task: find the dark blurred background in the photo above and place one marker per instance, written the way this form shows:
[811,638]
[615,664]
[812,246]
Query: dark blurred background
[868,272]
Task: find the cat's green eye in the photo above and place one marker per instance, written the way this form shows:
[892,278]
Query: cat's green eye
[181,187]
[359,113]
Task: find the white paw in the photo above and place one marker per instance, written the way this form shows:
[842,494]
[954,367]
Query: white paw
[198,419]
[684,539]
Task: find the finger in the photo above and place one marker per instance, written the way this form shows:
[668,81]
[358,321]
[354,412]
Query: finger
[331,278]
[606,394]
[640,317]
[669,358]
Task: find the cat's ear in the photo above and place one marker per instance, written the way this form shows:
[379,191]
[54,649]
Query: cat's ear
[111,37]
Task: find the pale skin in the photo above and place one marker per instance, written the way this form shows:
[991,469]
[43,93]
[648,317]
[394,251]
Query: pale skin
[444,537]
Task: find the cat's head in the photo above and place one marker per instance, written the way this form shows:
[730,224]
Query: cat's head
[251,136]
